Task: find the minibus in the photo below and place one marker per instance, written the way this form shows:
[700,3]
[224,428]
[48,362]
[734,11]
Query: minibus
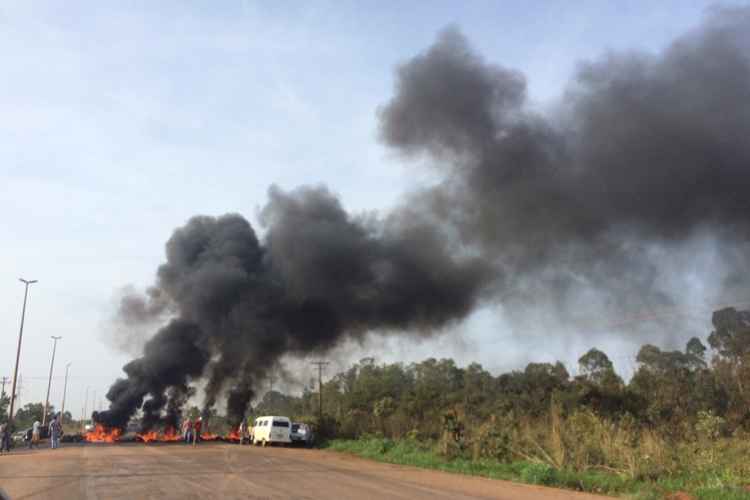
[271,429]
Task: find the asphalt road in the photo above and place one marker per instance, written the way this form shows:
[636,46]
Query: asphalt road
[224,471]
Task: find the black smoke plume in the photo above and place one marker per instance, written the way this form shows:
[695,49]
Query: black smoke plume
[642,155]
[321,273]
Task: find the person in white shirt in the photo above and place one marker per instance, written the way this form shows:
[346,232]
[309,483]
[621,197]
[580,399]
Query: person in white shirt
[35,428]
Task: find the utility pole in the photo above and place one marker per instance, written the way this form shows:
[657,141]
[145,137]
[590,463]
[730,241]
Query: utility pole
[320,365]
[83,415]
[18,350]
[49,384]
[20,386]
[2,393]
[269,395]
[65,392]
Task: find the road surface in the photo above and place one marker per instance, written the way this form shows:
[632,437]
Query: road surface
[224,471]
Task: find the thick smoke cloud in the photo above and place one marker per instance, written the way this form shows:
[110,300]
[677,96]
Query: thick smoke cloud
[644,156]
[241,305]
[656,145]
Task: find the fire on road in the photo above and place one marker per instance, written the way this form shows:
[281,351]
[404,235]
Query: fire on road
[222,471]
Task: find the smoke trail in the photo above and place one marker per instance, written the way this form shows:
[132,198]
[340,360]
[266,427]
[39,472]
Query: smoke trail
[652,145]
[647,155]
[321,274]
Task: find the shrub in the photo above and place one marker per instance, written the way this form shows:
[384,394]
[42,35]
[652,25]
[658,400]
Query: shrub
[538,473]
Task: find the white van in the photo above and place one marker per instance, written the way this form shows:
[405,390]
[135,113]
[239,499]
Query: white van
[269,430]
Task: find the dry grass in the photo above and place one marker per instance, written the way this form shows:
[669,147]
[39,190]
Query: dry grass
[702,461]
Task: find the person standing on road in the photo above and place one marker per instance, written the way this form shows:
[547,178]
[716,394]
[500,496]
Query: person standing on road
[243,431]
[187,431]
[35,428]
[54,433]
[197,430]
[5,437]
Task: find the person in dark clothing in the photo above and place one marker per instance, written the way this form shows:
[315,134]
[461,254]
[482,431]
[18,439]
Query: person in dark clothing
[55,431]
[197,430]
[244,434]
[5,437]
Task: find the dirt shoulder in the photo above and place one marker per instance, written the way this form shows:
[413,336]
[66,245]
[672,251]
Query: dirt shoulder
[224,471]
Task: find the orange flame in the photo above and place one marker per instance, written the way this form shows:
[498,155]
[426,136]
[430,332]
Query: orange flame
[169,435]
[101,434]
[147,437]
[234,436]
[207,436]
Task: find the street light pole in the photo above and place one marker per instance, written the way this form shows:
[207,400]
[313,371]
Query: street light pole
[83,415]
[49,384]
[65,392]
[18,350]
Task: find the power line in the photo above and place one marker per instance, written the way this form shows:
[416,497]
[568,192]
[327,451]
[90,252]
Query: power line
[45,377]
[647,314]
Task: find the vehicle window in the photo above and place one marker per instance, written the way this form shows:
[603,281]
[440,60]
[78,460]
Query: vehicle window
[278,423]
[295,427]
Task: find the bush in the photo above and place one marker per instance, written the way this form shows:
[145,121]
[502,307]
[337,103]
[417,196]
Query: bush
[493,439]
[536,473]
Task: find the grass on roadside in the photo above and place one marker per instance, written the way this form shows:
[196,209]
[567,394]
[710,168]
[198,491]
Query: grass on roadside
[419,454]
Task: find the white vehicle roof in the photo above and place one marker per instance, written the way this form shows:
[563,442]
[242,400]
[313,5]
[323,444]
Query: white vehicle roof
[274,418]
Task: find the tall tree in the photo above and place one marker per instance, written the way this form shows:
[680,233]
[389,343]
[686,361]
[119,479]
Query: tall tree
[730,340]
[4,402]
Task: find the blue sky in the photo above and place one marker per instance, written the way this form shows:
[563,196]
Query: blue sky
[119,123]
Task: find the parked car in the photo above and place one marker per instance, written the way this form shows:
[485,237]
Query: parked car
[19,438]
[271,430]
[23,437]
[301,434]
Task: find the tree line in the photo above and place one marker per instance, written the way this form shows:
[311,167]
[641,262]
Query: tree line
[669,391]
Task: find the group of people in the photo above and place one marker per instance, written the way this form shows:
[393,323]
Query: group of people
[54,432]
[191,431]
[33,435]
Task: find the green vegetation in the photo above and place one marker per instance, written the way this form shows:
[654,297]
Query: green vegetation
[681,423]
[713,484]
[30,412]
[419,454]
[4,403]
